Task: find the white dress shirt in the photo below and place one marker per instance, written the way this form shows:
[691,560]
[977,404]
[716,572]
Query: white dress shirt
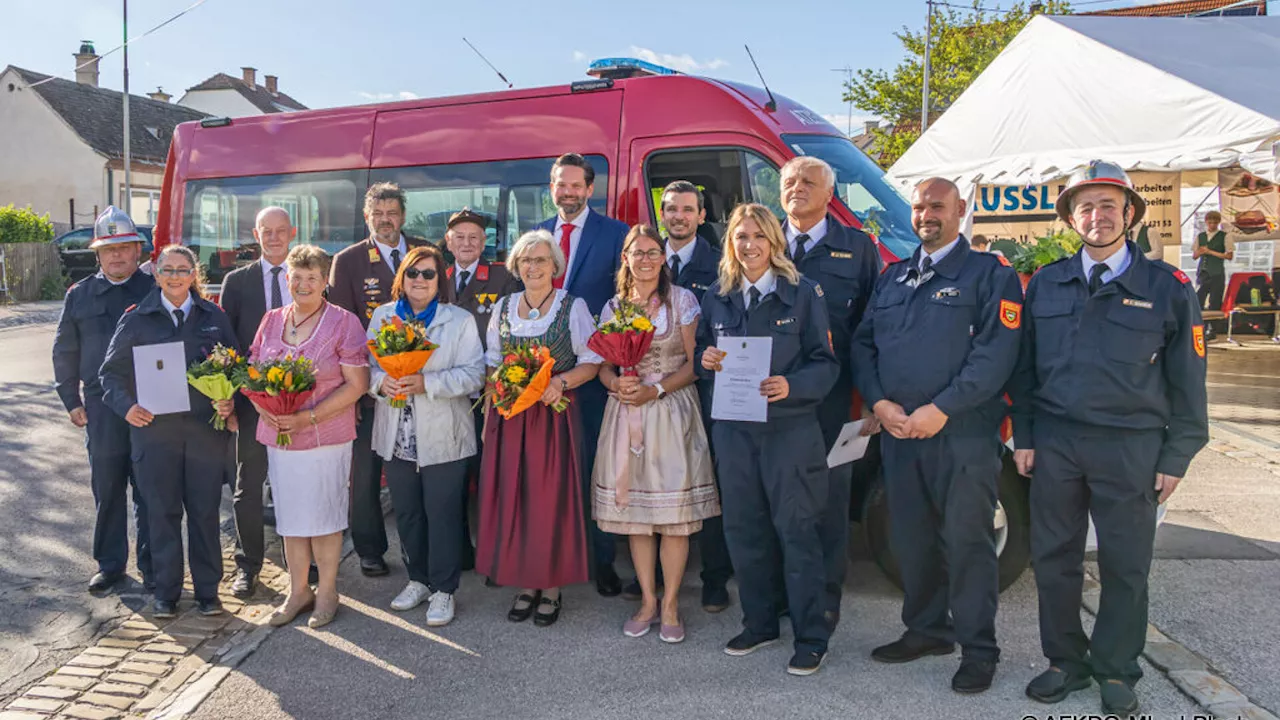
[185,308]
[457,274]
[815,233]
[767,283]
[385,251]
[267,278]
[1118,263]
[936,256]
[574,237]
[685,253]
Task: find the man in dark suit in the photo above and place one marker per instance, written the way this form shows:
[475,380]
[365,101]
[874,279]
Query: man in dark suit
[478,285]
[845,263]
[360,280]
[247,294]
[592,246]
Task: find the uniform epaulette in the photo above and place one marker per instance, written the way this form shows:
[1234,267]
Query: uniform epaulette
[131,307]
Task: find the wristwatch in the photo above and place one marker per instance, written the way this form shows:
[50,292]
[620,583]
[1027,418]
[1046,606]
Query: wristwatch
[662,392]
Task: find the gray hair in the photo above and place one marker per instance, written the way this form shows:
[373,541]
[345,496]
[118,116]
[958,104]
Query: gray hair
[527,243]
[804,162]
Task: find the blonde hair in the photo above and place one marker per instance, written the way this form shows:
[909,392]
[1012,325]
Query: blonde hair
[731,268]
[527,243]
[197,285]
[308,257]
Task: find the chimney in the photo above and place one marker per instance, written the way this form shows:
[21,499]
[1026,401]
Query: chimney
[88,74]
[272,81]
[249,76]
[869,126]
[160,95]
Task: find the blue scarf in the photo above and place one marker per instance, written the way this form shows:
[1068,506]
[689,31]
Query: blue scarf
[425,317]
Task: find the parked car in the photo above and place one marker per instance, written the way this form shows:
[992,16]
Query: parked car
[79,262]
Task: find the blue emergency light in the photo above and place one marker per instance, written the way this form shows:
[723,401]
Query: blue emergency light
[620,68]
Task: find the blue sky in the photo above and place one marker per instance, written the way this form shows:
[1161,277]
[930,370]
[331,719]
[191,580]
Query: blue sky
[344,52]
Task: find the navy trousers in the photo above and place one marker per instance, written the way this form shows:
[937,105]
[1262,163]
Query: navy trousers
[111,477]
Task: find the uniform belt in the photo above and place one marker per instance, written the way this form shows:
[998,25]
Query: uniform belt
[1061,424]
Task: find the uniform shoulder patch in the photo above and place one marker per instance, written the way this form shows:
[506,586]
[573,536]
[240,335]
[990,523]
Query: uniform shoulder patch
[1182,278]
[1004,261]
[818,289]
[1011,314]
[1197,335]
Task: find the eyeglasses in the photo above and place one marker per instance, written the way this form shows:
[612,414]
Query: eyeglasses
[175,272]
[414,274]
[654,254]
[535,261]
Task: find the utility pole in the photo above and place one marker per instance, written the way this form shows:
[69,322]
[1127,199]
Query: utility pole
[928,47]
[127,204]
[848,74]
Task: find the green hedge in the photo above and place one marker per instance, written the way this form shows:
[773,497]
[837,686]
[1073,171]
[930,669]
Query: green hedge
[24,226]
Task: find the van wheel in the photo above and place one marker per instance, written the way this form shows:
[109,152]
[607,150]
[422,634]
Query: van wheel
[1012,522]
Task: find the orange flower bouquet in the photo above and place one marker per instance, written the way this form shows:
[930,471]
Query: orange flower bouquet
[521,380]
[401,350]
[280,387]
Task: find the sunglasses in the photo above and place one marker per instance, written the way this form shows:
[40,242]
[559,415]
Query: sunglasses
[414,274]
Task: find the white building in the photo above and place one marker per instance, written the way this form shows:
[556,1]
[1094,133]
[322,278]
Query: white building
[62,144]
[226,96]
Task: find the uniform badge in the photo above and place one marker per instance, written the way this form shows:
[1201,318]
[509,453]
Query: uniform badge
[371,284]
[1182,277]
[946,292]
[841,255]
[482,273]
[1197,334]
[818,289]
[784,321]
[1011,314]
[1134,302]
[373,255]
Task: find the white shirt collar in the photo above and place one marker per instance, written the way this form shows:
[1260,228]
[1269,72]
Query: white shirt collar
[458,269]
[685,253]
[937,255]
[578,221]
[767,283]
[815,233]
[1117,263]
[185,308]
[386,249]
[267,267]
[113,282]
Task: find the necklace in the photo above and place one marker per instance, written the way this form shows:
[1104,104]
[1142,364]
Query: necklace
[536,312]
[293,331]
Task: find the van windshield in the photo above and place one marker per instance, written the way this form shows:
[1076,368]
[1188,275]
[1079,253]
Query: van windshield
[860,185]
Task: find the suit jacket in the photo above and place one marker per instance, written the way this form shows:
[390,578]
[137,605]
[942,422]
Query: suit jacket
[244,300]
[491,283]
[595,266]
[702,270]
[360,280]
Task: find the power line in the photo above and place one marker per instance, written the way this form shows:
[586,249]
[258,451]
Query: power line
[123,45]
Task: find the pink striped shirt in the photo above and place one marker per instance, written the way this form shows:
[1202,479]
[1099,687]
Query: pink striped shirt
[337,340]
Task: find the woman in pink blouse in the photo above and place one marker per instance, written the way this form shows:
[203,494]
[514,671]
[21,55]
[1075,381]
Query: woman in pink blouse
[309,478]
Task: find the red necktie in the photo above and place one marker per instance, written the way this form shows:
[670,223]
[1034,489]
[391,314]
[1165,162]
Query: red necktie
[565,231]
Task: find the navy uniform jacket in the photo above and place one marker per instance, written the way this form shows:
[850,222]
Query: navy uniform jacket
[795,317]
[951,341]
[702,270]
[150,323]
[90,312]
[1131,356]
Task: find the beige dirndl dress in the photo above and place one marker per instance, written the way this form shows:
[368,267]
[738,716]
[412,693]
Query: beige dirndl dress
[667,487]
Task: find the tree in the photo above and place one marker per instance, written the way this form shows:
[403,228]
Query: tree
[964,44]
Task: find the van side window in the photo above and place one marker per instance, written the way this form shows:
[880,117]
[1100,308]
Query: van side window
[716,172]
[514,195]
[219,214]
[765,182]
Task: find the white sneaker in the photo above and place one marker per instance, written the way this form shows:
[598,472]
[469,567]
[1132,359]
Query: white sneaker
[411,596]
[440,611]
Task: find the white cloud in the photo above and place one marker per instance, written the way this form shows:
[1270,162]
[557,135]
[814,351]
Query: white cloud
[841,121]
[406,95]
[387,97]
[579,56]
[683,63]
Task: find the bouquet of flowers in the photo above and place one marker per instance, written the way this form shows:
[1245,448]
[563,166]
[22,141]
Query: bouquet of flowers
[401,349]
[215,377]
[521,379]
[625,338]
[280,387]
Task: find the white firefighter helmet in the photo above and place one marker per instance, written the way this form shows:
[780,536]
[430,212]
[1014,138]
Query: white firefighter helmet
[113,227]
[1101,172]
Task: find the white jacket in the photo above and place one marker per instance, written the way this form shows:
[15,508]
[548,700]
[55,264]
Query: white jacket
[446,430]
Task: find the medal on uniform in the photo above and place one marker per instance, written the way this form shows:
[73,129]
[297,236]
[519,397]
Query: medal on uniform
[373,255]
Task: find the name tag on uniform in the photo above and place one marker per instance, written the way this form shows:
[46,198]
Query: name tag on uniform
[696,286]
[947,292]
[841,255]
[1134,302]
[784,321]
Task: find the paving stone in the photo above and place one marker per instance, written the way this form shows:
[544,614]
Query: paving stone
[125,633]
[111,701]
[112,688]
[91,712]
[181,673]
[80,671]
[131,678]
[19,715]
[1206,688]
[90,660]
[1245,711]
[111,642]
[1154,634]
[1090,601]
[151,657]
[111,652]
[37,704]
[165,648]
[146,668]
[1169,656]
[137,622]
[53,692]
[74,682]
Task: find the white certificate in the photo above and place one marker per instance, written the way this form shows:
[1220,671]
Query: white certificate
[849,446]
[161,373]
[737,389]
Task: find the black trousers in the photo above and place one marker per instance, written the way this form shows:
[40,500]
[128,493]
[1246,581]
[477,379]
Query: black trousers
[179,462]
[1210,289]
[1108,473]
[775,481]
[833,414]
[429,517]
[942,501]
[251,476]
[111,475]
[368,527]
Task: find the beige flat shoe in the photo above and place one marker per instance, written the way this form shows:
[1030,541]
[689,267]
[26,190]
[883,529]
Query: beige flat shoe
[320,618]
[281,615]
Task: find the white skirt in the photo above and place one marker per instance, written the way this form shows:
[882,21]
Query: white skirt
[311,489]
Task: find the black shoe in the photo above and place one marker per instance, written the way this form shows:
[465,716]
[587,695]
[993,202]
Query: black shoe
[520,614]
[715,598]
[608,583]
[545,619]
[909,648]
[632,590]
[165,609]
[1118,698]
[209,607]
[243,584]
[313,575]
[102,582]
[1054,685]
[374,567]
[974,676]
[745,643]
[806,662]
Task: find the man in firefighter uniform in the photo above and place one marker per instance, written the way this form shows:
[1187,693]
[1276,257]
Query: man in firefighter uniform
[1109,409]
[931,357]
[89,315]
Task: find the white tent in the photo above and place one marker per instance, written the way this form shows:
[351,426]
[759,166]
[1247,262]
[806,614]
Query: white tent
[1148,93]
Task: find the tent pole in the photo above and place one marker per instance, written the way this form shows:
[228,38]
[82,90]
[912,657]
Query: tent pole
[928,47]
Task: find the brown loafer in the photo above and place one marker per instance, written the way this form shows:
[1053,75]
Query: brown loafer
[281,615]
